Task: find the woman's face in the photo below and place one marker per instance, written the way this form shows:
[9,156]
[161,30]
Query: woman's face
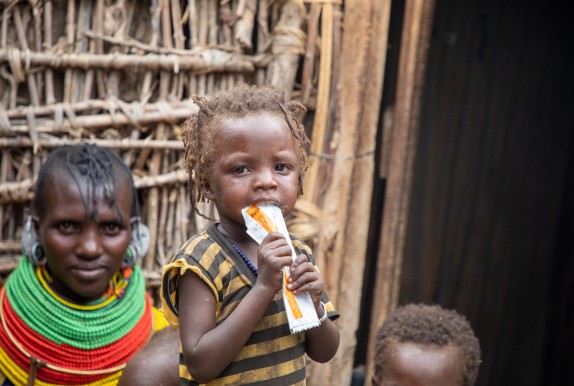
[83,252]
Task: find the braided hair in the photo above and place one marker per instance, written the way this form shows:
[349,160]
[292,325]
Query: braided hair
[94,169]
[199,130]
[428,325]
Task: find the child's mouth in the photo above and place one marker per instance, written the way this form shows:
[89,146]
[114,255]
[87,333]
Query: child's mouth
[266,202]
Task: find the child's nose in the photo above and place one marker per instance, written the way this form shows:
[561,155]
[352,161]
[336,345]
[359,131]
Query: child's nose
[265,179]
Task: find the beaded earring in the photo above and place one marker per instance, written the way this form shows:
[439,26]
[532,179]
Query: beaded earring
[30,245]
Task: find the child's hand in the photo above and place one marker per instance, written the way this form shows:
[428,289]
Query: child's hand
[272,255]
[305,278]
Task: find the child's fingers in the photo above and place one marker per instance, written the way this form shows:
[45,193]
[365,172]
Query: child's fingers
[272,236]
[299,260]
[300,266]
[307,283]
[305,278]
[273,254]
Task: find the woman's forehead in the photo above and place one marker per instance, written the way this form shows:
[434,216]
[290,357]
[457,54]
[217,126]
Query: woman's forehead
[116,193]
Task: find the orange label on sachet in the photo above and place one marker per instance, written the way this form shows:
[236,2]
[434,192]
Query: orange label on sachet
[258,215]
[291,300]
[262,219]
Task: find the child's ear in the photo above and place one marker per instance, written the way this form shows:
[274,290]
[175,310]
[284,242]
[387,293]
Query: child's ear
[205,189]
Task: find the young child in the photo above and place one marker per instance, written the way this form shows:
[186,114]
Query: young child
[223,289]
[75,310]
[426,345]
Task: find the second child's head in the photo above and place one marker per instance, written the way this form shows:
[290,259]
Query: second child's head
[426,345]
[245,146]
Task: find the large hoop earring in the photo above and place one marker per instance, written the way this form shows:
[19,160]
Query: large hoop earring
[37,256]
[30,244]
[131,256]
[139,244]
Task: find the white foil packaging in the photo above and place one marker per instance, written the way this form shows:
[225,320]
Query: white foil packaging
[260,220]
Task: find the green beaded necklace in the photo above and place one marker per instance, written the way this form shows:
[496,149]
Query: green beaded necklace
[62,324]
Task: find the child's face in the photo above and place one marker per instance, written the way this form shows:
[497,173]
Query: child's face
[254,162]
[409,364]
[83,254]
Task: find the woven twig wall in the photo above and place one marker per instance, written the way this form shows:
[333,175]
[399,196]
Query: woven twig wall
[120,74]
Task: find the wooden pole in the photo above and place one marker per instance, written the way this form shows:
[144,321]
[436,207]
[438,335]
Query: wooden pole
[415,39]
[346,212]
[322,113]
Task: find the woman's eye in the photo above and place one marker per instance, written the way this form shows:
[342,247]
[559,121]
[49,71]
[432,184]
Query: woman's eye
[110,228]
[67,227]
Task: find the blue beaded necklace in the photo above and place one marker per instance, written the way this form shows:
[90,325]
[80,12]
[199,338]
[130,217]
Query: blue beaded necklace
[246,259]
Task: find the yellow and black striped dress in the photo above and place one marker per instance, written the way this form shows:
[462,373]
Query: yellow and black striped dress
[272,355]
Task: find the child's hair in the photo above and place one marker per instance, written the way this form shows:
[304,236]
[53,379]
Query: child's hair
[429,325]
[96,166]
[198,130]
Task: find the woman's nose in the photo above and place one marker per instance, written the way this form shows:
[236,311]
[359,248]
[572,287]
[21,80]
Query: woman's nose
[89,244]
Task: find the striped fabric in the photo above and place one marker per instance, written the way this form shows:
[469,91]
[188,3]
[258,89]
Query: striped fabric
[272,355]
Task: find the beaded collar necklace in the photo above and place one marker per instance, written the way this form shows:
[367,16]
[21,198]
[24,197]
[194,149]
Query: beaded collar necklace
[245,259]
[77,344]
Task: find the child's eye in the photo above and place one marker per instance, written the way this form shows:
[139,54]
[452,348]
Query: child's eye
[240,170]
[281,168]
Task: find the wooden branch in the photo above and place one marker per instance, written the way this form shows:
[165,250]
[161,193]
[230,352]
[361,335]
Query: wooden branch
[123,144]
[287,45]
[168,115]
[94,104]
[32,87]
[179,42]
[310,52]
[15,192]
[10,264]
[50,98]
[323,96]
[208,60]
[263,37]
[21,191]
[243,29]
[9,246]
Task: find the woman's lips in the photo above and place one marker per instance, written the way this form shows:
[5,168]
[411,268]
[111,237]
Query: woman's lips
[88,274]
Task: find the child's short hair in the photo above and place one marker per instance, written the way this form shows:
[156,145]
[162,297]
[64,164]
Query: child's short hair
[243,99]
[98,166]
[429,325]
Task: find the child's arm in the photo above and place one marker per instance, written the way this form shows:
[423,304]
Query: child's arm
[321,343]
[208,349]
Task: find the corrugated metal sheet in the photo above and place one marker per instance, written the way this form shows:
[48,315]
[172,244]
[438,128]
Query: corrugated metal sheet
[490,183]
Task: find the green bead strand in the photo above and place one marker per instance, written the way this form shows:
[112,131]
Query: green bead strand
[65,325]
